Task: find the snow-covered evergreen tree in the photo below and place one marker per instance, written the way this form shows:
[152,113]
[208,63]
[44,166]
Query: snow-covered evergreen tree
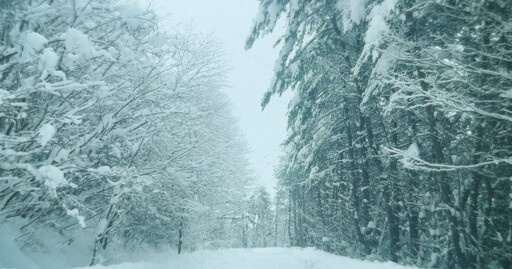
[399,131]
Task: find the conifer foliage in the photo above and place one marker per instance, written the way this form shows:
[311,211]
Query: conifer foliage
[400,129]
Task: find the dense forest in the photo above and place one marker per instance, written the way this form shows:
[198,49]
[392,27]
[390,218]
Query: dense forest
[116,135]
[400,129]
[116,131]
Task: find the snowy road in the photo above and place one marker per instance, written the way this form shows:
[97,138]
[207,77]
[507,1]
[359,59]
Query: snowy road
[268,258]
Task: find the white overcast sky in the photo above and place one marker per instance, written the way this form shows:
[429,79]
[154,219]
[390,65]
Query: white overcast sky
[229,22]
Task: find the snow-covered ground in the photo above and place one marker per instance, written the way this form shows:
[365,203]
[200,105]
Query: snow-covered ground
[55,255]
[259,258]
[61,256]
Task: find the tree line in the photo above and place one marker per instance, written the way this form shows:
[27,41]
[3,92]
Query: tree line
[113,127]
[400,128]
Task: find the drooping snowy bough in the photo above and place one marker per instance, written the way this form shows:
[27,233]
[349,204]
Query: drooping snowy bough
[400,131]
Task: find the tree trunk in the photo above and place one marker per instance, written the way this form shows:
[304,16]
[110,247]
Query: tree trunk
[180,237]
[388,190]
[290,217]
[355,200]
[473,205]
[446,192]
[244,231]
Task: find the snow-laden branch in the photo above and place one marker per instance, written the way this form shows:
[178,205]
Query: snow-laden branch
[412,161]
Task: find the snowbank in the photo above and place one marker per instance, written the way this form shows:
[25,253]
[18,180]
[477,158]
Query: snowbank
[58,253]
[10,254]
